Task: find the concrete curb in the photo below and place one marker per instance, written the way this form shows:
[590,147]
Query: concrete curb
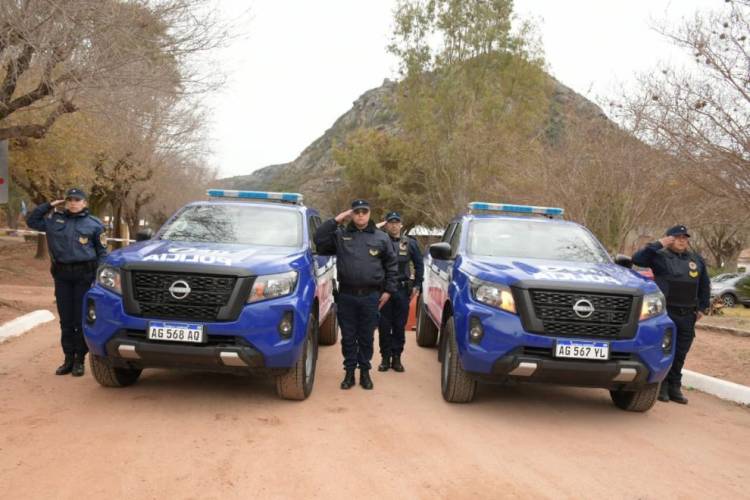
[24,323]
[724,329]
[717,387]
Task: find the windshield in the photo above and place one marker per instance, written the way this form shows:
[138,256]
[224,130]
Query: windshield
[534,240]
[244,225]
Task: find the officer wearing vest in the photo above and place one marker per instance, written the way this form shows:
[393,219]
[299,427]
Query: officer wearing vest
[395,312]
[682,276]
[366,267]
[77,245]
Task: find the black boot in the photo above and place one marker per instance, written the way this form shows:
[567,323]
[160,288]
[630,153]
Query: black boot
[676,395]
[664,392]
[396,363]
[385,364]
[67,365]
[364,378]
[78,365]
[348,381]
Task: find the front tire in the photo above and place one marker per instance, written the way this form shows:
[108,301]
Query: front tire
[297,383]
[456,385]
[109,376]
[640,401]
[427,332]
[329,330]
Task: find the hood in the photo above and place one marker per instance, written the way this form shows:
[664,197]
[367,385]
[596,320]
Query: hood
[255,259]
[513,270]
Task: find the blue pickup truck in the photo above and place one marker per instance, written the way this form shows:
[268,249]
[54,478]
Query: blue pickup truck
[513,292]
[232,284]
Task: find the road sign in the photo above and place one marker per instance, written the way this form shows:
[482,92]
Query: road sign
[4,174]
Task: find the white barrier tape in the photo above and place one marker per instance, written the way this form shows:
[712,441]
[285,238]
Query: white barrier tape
[30,231]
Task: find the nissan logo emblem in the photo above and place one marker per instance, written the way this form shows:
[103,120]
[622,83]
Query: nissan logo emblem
[179,289]
[583,308]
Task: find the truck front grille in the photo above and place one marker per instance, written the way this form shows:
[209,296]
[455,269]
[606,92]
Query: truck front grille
[556,311]
[208,294]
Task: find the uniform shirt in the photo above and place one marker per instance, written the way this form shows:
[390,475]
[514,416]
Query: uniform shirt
[71,237]
[682,277]
[407,249]
[364,258]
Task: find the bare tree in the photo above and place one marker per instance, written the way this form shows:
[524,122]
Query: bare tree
[701,115]
[57,57]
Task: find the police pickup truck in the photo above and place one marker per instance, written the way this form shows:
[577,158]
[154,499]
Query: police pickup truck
[231,284]
[512,292]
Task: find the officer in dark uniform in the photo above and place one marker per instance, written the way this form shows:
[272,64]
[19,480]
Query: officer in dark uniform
[682,276]
[395,312]
[77,244]
[366,266]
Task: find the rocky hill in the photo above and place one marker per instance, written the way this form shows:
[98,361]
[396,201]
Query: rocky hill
[316,174]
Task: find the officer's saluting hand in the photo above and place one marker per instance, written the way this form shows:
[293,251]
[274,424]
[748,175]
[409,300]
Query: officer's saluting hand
[366,266]
[77,244]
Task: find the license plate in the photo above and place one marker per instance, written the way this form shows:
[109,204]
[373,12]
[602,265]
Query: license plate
[579,349]
[176,332]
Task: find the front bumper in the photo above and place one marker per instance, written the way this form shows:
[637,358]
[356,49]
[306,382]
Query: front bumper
[533,366]
[505,345]
[131,349]
[252,341]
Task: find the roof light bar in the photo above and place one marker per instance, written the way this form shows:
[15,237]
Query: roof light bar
[518,209]
[295,198]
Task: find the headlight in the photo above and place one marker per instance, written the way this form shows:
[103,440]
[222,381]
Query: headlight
[493,294]
[109,278]
[271,286]
[653,305]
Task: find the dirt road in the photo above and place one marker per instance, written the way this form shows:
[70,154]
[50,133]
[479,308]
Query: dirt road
[189,435]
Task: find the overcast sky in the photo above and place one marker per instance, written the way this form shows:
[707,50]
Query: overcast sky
[302,63]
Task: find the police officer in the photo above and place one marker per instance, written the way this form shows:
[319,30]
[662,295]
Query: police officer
[366,266]
[682,276]
[77,244]
[395,312]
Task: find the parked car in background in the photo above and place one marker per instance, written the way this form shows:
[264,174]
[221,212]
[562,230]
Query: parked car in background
[732,290]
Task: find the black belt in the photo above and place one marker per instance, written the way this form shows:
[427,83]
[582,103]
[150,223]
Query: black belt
[681,310]
[353,290]
[89,265]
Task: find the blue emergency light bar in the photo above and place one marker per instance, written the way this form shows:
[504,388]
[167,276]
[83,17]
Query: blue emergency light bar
[517,209]
[295,198]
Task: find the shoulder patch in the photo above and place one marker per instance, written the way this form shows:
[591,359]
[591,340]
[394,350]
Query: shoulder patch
[103,239]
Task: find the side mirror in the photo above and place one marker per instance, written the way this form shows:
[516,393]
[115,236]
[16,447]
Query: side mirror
[440,251]
[144,234]
[624,261]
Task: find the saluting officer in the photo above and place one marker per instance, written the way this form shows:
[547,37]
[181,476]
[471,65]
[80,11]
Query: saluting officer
[683,279]
[395,312]
[77,244]
[366,266]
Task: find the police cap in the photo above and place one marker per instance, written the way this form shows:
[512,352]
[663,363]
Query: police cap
[677,231]
[393,216]
[75,193]
[358,204]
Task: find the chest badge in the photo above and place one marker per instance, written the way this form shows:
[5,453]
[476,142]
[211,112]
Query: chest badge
[374,252]
[404,245]
[83,240]
[693,274]
[692,265]
[346,238]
